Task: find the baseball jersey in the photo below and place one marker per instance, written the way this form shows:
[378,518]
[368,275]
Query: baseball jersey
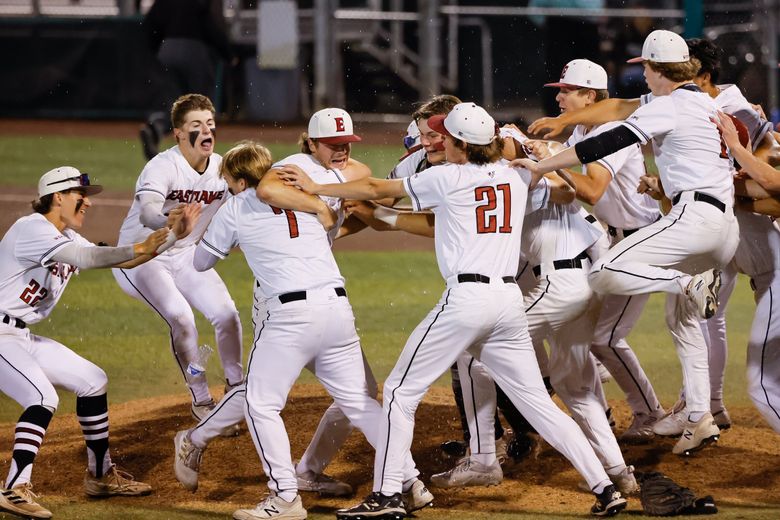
[479,215]
[731,101]
[312,166]
[413,163]
[31,283]
[758,251]
[620,205]
[686,143]
[287,250]
[170,175]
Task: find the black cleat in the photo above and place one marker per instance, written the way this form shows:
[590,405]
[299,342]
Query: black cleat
[608,503]
[376,506]
[454,448]
[150,141]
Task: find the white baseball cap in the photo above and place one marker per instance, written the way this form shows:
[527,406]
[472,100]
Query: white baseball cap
[66,178]
[663,47]
[332,126]
[582,73]
[467,122]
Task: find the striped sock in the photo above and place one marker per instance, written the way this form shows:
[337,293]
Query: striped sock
[27,440]
[92,413]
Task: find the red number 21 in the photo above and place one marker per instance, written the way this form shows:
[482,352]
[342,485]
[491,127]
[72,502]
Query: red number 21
[488,223]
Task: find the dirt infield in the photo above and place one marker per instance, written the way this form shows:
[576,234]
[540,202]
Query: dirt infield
[742,469]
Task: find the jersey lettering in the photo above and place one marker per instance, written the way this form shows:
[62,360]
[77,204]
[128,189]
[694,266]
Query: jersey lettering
[204,196]
[292,220]
[488,223]
[33,293]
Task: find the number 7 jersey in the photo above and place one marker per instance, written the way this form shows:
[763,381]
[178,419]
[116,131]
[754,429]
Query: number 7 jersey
[30,282]
[479,215]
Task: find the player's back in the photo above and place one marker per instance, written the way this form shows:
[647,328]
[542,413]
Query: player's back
[479,215]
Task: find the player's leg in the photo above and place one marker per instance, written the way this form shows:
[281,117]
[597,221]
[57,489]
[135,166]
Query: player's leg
[763,354]
[22,380]
[153,284]
[207,293]
[66,369]
[617,318]
[714,331]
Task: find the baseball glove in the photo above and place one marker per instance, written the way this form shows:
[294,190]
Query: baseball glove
[662,496]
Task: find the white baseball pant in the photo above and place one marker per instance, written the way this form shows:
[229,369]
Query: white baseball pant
[763,353]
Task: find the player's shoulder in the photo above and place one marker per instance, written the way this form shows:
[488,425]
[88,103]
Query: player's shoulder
[302,160]
[164,163]
[600,129]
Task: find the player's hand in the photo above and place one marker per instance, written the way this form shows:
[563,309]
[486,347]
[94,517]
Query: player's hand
[538,148]
[553,125]
[728,131]
[528,164]
[760,110]
[651,186]
[364,212]
[292,175]
[327,216]
[183,225]
[152,242]
[175,214]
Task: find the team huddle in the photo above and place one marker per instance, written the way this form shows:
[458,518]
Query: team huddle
[540,294]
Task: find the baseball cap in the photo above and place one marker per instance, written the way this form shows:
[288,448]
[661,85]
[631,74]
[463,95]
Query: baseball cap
[467,122]
[582,73]
[412,137]
[66,178]
[663,47]
[332,126]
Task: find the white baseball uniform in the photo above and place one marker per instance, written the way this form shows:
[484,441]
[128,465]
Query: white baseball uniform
[169,284]
[479,217]
[307,322]
[413,163]
[699,233]
[623,211]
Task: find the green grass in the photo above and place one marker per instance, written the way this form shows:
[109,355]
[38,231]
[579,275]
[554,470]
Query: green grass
[116,163]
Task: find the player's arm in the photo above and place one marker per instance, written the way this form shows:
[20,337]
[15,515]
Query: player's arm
[768,149]
[770,206]
[561,186]
[588,186]
[764,174]
[151,214]
[363,189]
[382,218]
[612,109]
[273,191]
[750,189]
[203,260]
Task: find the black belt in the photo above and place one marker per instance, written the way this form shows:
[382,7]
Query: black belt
[626,232]
[301,295]
[703,197]
[16,322]
[481,278]
[590,218]
[571,263]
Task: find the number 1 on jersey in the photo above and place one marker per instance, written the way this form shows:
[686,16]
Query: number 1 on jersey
[292,220]
[488,223]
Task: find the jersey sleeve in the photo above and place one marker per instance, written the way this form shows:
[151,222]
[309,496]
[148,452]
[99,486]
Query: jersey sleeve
[156,178]
[646,98]
[426,190]
[538,197]
[222,233]
[408,166]
[653,119]
[615,161]
[39,242]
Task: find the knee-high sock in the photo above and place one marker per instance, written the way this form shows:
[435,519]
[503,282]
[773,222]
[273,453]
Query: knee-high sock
[27,440]
[92,413]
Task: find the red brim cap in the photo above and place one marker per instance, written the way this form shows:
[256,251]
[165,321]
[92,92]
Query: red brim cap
[638,59]
[436,123]
[339,139]
[562,85]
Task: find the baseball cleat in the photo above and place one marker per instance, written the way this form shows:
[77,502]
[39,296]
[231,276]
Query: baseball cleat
[697,435]
[641,429]
[20,500]
[114,482]
[186,460]
[625,481]
[608,503]
[673,423]
[703,291]
[469,473]
[417,497]
[722,419]
[323,484]
[375,506]
[274,507]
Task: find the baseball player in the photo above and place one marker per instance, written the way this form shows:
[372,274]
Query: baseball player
[169,285]
[758,256]
[681,253]
[479,206]
[609,185]
[307,321]
[38,256]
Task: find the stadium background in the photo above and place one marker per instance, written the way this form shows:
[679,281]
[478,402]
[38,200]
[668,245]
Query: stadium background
[77,84]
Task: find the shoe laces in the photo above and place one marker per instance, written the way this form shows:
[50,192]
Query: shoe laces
[122,478]
[190,454]
[25,491]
